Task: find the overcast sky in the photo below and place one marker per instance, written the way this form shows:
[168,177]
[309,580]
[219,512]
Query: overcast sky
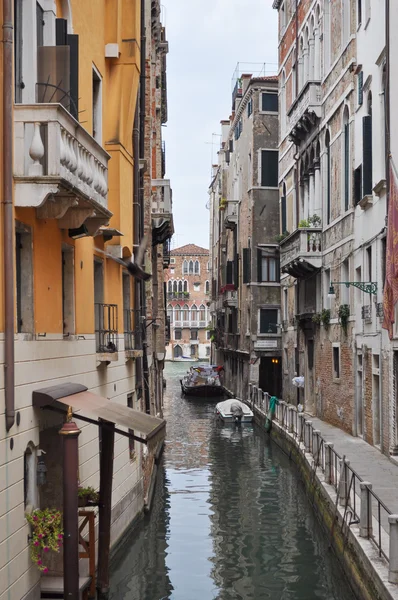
[207,38]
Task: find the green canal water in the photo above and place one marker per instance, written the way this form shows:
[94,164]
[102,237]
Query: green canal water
[230,520]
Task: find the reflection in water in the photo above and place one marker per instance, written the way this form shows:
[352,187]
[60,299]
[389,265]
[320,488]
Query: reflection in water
[230,520]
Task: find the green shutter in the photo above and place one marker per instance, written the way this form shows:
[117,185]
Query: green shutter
[367,163]
[259,270]
[246,265]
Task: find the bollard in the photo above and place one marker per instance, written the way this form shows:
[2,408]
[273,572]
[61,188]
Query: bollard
[290,419]
[343,487]
[365,518]
[307,436]
[282,418]
[328,462]
[393,555]
[259,398]
[300,427]
[316,446]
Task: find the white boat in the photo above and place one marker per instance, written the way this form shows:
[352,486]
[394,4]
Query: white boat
[234,411]
[186,359]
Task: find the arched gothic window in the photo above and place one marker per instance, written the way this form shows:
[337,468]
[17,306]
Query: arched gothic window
[185,312]
[185,286]
[191,267]
[207,288]
[170,312]
[185,267]
[177,312]
[180,286]
[196,267]
[346,130]
[202,312]
[194,312]
[177,351]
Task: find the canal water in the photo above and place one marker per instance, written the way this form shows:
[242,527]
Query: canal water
[230,520]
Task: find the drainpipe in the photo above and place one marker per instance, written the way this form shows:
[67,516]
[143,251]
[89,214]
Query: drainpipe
[145,367]
[8,217]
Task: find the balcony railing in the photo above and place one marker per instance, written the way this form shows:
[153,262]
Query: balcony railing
[132,329]
[54,154]
[301,252]
[106,328]
[177,295]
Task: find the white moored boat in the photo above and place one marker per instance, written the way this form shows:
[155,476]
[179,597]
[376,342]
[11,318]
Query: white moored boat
[234,411]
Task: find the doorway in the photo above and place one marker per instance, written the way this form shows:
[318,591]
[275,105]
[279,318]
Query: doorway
[270,375]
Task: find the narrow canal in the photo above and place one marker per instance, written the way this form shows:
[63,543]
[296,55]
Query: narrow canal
[230,520]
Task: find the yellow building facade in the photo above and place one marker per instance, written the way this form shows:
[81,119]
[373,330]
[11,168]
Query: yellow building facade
[76,71]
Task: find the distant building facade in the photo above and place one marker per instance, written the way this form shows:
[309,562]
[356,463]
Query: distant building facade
[244,251]
[187,284]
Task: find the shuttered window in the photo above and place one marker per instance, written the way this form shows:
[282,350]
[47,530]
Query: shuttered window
[268,320]
[358,184]
[269,168]
[246,265]
[267,268]
[269,102]
[367,163]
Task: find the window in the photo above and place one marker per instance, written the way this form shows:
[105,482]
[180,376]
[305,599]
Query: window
[347,169]
[269,102]
[196,287]
[185,285]
[383,244]
[269,168]
[131,431]
[170,312]
[68,296]
[185,312]
[202,312]
[369,263]
[185,267]
[250,107]
[191,267]
[197,267]
[194,313]
[268,267]
[328,177]
[208,266]
[207,350]
[177,352]
[180,286]
[194,334]
[283,210]
[30,477]
[178,312]
[97,106]
[172,271]
[360,88]
[24,279]
[358,184]
[326,287]
[336,362]
[207,287]
[246,267]
[345,276]
[172,261]
[208,335]
[18,49]
[268,320]
[359,12]
[285,305]
[367,156]
[177,334]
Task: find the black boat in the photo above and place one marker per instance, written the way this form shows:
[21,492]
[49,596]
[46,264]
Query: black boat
[203,381]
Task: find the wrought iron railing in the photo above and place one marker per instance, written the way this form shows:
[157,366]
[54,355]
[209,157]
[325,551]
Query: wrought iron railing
[106,327]
[359,504]
[132,329]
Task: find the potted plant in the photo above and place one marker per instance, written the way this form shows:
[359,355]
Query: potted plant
[304,223]
[325,318]
[344,314]
[223,204]
[87,496]
[47,534]
[316,318]
[279,238]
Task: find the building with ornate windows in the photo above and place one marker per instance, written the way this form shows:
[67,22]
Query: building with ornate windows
[333,206]
[244,251]
[187,285]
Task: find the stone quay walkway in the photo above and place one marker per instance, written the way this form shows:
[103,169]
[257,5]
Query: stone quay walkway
[369,463]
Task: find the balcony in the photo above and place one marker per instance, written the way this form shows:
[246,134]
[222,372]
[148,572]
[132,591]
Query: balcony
[162,217]
[231,215]
[301,252]
[132,333]
[59,169]
[305,111]
[177,295]
[106,332]
[231,299]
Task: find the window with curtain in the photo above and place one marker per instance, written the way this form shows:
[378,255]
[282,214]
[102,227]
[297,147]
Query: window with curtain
[202,312]
[191,267]
[185,312]
[170,312]
[197,269]
[194,312]
[178,312]
[268,267]
[185,267]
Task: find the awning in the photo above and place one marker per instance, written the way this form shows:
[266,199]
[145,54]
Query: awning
[93,408]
